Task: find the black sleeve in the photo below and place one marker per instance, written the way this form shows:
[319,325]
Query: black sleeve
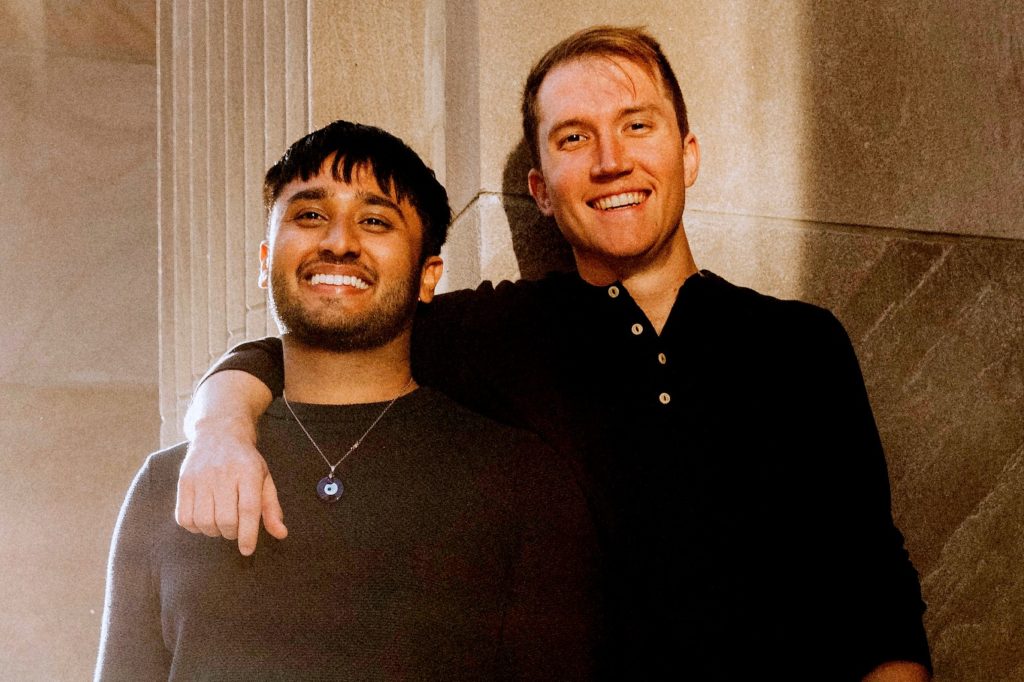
[465,342]
[444,348]
[878,594]
[552,626]
[131,640]
[262,358]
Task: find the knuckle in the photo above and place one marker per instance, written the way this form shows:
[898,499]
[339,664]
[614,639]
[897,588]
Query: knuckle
[248,507]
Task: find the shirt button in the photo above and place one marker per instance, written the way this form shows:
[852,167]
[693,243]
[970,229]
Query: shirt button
[662,359]
[664,398]
[613,291]
[638,329]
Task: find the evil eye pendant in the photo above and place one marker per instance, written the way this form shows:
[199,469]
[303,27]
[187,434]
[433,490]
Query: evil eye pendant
[329,489]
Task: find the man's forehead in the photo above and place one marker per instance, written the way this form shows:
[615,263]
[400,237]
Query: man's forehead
[330,181]
[592,77]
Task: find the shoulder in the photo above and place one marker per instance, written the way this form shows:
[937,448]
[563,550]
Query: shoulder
[150,500]
[160,469]
[750,306]
[505,295]
[168,459]
[749,315]
[467,440]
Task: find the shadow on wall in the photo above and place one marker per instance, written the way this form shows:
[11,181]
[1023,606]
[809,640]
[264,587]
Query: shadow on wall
[936,319]
[538,245]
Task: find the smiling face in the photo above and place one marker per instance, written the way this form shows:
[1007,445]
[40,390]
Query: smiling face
[614,167]
[343,262]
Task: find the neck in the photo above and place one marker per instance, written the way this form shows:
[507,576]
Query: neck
[314,375]
[652,282]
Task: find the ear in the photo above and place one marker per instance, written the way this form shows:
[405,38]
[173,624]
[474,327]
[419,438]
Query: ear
[691,159]
[430,275]
[264,279]
[539,191]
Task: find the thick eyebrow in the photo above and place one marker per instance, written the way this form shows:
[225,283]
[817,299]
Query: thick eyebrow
[375,199]
[311,194]
[367,197]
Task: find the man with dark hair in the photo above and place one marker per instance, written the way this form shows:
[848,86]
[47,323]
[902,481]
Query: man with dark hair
[426,542]
[729,447]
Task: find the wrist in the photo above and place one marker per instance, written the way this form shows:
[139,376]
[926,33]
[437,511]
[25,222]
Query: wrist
[225,427]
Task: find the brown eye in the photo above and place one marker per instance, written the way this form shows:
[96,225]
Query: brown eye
[376,223]
[571,140]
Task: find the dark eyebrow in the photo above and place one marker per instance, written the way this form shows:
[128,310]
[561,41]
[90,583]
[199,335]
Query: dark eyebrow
[311,194]
[375,199]
[368,198]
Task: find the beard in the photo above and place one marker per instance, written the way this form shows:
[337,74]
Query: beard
[332,329]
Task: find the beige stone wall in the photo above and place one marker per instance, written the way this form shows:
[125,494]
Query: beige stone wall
[78,292]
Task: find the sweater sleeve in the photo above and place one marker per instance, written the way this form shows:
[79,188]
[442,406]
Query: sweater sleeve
[131,640]
[262,358]
[456,339]
[878,592]
[441,347]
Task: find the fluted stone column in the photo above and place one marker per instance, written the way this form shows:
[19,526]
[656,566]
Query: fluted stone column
[233,93]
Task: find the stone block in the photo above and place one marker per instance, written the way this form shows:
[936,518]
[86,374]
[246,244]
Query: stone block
[97,29]
[78,207]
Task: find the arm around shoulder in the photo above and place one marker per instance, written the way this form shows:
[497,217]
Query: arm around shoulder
[242,383]
[231,400]
[224,486]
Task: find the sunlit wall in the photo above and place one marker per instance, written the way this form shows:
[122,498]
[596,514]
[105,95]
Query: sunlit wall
[78,292]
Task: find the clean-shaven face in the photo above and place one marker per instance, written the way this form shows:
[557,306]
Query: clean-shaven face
[614,166]
[342,262]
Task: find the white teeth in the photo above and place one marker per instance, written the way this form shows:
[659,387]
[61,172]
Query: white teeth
[619,200]
[339,281]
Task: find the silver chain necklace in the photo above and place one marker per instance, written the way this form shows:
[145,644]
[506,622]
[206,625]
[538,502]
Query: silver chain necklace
[329,488]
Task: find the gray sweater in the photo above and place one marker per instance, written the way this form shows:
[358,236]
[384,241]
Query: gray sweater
[461,549]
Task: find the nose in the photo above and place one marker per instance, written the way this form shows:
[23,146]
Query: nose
[341,238]
[612,158]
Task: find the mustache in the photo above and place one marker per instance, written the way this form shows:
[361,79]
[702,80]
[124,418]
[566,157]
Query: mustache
[351,261]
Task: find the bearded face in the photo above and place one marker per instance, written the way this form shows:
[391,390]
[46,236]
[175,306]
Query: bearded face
[343,262]
[330,324]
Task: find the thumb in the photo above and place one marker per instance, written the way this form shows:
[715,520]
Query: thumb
[273,516]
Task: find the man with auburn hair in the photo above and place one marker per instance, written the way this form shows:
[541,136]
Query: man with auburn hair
[726,437]
[426,542]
